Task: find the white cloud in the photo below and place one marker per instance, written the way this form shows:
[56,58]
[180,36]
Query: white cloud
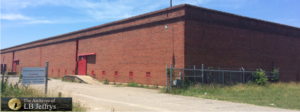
[93,9]
[39,21]
[14,17]
[98,9]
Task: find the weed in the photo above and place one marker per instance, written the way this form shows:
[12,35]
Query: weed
[106,81]
[164,90]
[156,85]
[133,84]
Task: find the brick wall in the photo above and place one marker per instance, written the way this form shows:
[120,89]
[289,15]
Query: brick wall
[28,58]
[61,58]
[140,50]
[7,57]
[228,41]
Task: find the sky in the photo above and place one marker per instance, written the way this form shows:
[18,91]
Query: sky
[23,21]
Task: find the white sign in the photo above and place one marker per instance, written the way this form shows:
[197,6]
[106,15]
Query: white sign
[33,76]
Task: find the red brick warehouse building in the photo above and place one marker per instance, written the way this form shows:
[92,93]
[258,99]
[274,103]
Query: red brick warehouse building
[138,48]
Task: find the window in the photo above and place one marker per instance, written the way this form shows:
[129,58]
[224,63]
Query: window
[148,75]
[130,74]
[103,72]
[116,73]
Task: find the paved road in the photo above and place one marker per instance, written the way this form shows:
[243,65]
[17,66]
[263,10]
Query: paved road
[109,98]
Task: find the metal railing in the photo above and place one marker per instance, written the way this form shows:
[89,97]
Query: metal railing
[177,76]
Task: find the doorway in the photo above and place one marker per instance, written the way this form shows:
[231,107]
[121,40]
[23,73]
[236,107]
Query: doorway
[15,64]
[82,65]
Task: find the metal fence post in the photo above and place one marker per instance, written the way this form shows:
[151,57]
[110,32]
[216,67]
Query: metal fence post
[46,82]
[171,76]
[243,75]
[202,74]
[2,77]
[166,76]
[219,75]
[194,74]
[180,79]
[180,75]
[207,77]
[223,78]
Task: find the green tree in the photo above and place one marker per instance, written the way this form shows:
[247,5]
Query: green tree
[260,77]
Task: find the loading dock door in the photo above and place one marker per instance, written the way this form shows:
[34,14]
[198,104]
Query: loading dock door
[82,65]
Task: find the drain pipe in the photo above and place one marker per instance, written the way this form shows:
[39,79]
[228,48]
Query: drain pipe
[76,56]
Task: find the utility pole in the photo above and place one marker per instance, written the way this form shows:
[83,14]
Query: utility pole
[170,3]
[2,77]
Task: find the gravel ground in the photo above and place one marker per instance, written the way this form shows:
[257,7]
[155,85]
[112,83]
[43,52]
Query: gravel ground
[109,98]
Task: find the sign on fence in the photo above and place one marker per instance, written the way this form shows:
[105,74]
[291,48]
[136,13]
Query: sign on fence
[33,76]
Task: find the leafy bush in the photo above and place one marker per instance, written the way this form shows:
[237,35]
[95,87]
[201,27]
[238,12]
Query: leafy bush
[275,74]
[260,77]
[132,84]
[106,81]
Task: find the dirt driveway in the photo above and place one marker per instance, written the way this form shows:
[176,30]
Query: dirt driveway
[109,98]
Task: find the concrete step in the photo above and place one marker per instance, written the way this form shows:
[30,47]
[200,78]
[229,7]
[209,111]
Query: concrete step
[82,78]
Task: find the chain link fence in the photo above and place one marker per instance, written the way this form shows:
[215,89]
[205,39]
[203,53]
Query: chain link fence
[209,75]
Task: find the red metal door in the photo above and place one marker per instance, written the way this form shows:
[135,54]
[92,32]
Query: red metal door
[82,65]
[15,66]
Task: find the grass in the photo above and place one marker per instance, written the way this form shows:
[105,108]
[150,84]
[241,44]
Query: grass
[280,95]
[133,84]
[16,90]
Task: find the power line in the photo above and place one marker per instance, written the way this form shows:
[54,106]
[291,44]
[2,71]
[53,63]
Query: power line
[198,2]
